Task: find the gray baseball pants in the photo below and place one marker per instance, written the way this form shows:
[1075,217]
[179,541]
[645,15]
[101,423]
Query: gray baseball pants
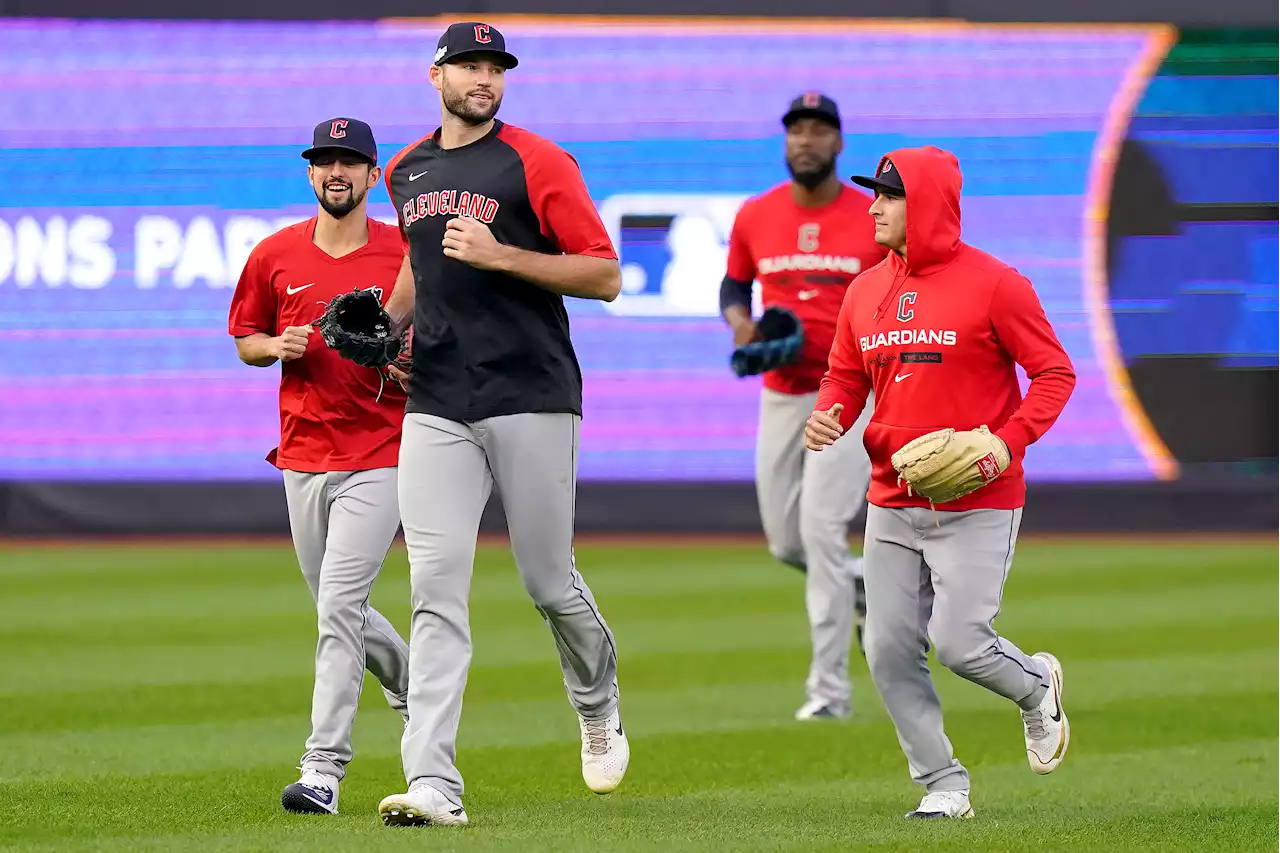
[447,470]
[343,524]
[938,579]
[807,501]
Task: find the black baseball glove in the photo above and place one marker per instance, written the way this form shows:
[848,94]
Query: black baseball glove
[357,327]
[779,340]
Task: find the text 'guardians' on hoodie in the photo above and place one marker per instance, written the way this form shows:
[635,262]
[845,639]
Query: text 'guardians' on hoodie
[936,336]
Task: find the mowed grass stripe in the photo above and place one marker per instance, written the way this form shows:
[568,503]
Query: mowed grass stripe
[839,804]
[1171,668]
[145,739]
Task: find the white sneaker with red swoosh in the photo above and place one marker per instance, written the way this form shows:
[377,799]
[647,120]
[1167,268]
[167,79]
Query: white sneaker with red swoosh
[1045,726]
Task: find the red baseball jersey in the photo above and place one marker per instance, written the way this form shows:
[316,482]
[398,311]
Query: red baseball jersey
[329,420]
[937,336]
[804,259]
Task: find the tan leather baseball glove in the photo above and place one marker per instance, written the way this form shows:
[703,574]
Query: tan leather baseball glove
[945,464]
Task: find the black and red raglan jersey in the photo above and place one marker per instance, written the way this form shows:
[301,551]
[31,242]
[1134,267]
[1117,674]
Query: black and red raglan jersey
[485,343]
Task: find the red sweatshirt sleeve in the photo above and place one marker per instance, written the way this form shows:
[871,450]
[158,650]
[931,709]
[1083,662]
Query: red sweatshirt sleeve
[846,380]
[1024,331]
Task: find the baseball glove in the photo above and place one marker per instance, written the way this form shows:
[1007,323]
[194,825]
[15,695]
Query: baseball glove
[944,464]
[358,328]
[779,340]
[404,361]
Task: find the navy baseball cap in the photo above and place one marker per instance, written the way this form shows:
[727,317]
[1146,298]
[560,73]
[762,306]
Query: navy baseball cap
[346,134]
[473,37]
[812,105]
[887,180]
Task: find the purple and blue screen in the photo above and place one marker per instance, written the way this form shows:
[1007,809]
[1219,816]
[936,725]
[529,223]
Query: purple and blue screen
[144,160]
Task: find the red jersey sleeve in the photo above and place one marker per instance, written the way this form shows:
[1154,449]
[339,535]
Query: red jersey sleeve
[741,266]
[386,178]
[846,380]
[562,204]
[253,305]
[1024,331]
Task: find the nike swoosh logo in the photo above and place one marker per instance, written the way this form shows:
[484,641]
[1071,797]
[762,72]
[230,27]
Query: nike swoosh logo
[414,177]
[902,376]
[1056,716]
[320,795]
[292,290]
[806,295]
[618,730]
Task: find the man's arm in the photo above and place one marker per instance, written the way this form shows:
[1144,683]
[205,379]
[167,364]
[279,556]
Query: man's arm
[735,287]
[588,267]
[1024,331]
[846,383]
[400,304]
[254,310]
[263,350]
[583,276]
[735,307]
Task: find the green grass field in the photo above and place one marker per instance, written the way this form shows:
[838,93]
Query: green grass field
[156,697]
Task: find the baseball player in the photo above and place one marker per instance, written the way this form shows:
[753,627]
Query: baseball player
[499,228]
[339,439]
[935,330]
[805,241]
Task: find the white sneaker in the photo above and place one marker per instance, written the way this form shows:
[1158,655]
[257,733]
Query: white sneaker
[423,805]
[314,793]
[605,753]
[940,804]
[1045,726]
[820,709]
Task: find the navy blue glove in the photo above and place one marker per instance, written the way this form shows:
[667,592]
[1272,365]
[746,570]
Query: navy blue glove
[779,340]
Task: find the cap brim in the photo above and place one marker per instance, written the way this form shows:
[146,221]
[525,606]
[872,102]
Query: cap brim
[795,115]
[314,150]
[506,60]
[878,186]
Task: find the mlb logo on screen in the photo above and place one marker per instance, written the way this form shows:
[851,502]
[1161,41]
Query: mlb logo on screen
[673,250]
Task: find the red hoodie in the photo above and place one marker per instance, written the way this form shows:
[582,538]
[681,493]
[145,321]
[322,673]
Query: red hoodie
[936,336]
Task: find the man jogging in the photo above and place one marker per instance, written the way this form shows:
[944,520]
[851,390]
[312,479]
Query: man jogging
[936,330]
[339,438]
[805,241]
[500,228]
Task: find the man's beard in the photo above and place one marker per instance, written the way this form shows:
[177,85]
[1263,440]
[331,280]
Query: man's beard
[339,209]
[458,104]
[812,177]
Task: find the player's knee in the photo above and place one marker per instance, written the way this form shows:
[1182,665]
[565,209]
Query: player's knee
[830,539]
[335,614]
[887,652]
[791,553]
[552,595]
[962,654]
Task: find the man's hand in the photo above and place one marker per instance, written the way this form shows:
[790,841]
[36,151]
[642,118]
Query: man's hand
[400,376]
[823,428]
[470,241]
[292,343]
[744,332]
